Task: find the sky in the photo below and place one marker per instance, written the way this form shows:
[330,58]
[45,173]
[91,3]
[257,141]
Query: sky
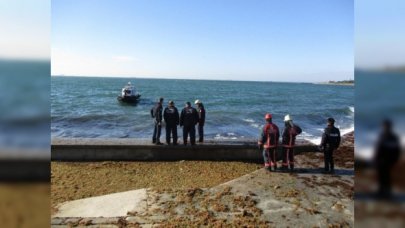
[25,29]
[379,33]
[265,40]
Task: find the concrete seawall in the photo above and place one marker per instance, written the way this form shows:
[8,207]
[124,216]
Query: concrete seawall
[143,150]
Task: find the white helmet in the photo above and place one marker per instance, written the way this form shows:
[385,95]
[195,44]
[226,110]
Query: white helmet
[197,102]
[287,118]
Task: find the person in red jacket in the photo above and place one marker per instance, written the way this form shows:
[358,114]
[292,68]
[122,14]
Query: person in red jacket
[290,132]
[269,141]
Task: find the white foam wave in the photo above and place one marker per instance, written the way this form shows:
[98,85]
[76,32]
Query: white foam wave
[364,152]
[351,108]
[317,139]
[230,136]
[249,120]
[347,130]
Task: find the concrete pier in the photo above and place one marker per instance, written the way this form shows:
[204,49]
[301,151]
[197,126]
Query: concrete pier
[143,150]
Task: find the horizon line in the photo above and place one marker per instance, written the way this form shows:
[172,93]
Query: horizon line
[196,79]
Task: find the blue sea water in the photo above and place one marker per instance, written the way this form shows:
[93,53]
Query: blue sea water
[87,106]
[379,95]
[24,105]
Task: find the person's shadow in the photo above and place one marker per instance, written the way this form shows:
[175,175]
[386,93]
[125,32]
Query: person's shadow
[338,172]
[375,196]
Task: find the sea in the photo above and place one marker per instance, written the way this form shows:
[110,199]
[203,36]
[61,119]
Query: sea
[87,107]
[379,96]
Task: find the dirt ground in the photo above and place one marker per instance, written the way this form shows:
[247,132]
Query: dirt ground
[76,180]
[24,204]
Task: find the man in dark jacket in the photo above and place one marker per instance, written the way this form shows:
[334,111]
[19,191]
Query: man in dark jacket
[290,132]
[201,120]
[188,119]
[388,150]
[171,117]
[268,141]
[330,142]
[156,113]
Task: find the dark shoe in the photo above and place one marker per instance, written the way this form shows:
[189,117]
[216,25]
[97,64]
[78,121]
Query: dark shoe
[292,170]
[332,171]
[175,144]
[159,143]
[325,172]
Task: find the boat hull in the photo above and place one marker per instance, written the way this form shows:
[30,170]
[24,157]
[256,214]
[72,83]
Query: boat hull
[129,99]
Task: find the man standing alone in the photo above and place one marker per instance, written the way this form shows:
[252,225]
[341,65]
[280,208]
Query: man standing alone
[156,113]
[188,119]
[330,142]
[171,117]
[201,120]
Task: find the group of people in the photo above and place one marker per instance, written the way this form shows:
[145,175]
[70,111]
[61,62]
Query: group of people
[188,119]
[269,140]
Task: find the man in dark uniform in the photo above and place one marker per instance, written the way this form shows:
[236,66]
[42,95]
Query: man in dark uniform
[330,142]
[268,140]
[171,117]
[290,132]
[388,150]
[201,120]
[188,119]
[156,113]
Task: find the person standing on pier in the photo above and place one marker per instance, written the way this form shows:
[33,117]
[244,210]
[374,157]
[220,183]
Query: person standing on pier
[171,117]
[156,113]
[188,120]
[201,120]
[330,142]
[290,132]
[268,141]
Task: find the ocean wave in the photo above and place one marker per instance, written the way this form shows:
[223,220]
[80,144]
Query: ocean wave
[317,139]
[351,108]
[90,118]
[228,136]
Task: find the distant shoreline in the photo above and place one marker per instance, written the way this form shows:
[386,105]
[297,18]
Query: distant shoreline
[335,83]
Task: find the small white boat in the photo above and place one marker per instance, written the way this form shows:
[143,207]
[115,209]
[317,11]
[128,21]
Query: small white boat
[129,94]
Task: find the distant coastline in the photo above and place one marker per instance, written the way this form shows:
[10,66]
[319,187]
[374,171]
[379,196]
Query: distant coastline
[343,83]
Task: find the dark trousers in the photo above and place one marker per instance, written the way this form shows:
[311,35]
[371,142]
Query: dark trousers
[189,130]
[328,158]
[201,133]
[384,179]
[156,133]
[171,130]
[288,157]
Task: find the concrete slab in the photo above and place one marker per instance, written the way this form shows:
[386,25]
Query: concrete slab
[112,205]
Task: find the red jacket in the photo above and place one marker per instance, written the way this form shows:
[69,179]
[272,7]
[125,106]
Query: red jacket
[269,137]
